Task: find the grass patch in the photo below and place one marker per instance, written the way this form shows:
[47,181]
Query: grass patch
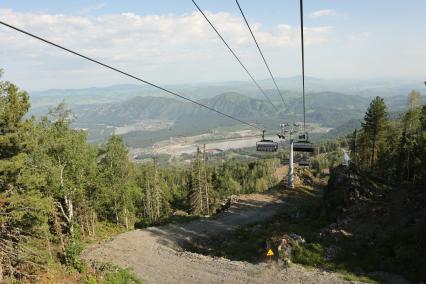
[174,219]
[106,230]
[121,276]
[311,254]
[179,219]
[358,278]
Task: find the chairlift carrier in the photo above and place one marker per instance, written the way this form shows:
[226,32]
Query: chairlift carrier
[303,145]
[266,145]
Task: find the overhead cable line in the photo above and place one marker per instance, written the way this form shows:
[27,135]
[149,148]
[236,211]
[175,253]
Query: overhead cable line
[235,55]
[303,64]
[129,75]
[260,51]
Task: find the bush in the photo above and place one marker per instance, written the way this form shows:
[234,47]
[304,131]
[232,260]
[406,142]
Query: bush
[72,255]
[309,254]
[121,276]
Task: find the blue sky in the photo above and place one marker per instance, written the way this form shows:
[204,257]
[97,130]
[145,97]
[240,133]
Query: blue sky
[166,41]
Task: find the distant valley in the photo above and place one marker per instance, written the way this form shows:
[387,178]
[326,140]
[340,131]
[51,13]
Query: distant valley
[144,116]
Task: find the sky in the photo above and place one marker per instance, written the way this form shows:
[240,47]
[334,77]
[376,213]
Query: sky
[169,42]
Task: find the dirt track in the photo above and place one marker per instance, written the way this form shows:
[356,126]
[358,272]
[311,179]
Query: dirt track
[155,254]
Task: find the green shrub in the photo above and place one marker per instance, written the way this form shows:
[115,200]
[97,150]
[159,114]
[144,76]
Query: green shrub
[72,255]
[121,276]
[309,254]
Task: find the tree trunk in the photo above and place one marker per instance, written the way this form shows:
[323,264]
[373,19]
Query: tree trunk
[199,183]
[408,165]
[126,220]
[57,227]
[117,220]
[70,211]
[93,221]
[49,248]
[1,267]
[205,182]
[372,152]
[157,193]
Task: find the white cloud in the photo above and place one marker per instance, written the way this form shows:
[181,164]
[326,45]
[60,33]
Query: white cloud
[322,13]
[360,36]
[414,52]
[90,8]
[150,43]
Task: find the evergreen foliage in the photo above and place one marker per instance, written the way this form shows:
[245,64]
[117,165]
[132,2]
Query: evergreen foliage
[392,149]
[375,121]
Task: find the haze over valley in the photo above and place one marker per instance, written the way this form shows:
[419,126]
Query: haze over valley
[152,122]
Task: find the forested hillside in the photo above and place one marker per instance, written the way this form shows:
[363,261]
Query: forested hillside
[58,192]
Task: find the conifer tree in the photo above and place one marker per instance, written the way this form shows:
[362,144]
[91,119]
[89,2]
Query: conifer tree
[156,193]
[206,183]
[409,142]
[196,193]
[374,124]
[14,131]
[154,202]
[147,201]
[24,210]
[116,196]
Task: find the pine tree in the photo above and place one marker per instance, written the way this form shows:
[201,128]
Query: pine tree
[147,202]
[196,193]
[24,210]
[116,196]
[206,183]
[156,193]
[155,203]
[375,121]
[408,147]
[14,134]
[421,150]
[353,146]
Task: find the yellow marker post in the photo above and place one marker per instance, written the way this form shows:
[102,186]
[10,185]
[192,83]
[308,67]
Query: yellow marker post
[270,253]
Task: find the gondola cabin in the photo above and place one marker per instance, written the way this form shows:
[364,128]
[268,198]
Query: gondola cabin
[266,146]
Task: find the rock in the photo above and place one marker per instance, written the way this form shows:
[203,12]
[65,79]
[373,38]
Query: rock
[331,252]
[180,213]
[345,233]
[297,238]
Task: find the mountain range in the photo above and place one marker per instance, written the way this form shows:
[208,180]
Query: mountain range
[327,109]
[144,115]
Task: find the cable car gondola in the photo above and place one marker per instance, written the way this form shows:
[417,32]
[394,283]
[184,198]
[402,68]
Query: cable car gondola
[303,145]
[266,145]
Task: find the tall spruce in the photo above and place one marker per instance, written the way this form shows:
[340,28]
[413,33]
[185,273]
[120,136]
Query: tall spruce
[197,186]
[154,201]
[206,183]
[374,124]
[116,175]
[157,195]
[24,210]
[409,142]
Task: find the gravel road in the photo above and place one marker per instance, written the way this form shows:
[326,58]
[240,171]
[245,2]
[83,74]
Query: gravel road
[155,253]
